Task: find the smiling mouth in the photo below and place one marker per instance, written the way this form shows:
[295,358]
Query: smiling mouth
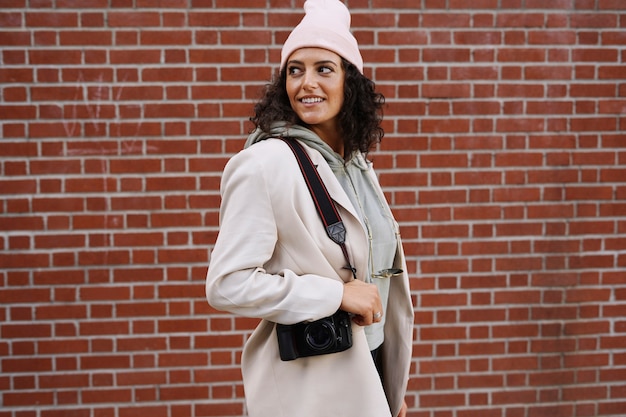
[311,100]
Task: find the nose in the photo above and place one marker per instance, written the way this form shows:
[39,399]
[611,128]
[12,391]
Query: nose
[309,80]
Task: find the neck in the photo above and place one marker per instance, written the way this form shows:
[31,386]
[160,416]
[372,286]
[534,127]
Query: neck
[331,137]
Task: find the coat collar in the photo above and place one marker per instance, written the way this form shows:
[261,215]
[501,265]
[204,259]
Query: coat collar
[322,156]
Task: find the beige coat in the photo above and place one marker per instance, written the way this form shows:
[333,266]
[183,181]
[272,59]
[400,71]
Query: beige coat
[273,260]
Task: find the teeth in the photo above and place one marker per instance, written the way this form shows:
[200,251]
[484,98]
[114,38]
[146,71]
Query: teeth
[309,100]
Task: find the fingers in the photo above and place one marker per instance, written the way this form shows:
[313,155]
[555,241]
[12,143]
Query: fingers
[362,300]
[403,410]
[368,319]
[378,315]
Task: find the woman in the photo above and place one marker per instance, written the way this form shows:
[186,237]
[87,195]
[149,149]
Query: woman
[273,259]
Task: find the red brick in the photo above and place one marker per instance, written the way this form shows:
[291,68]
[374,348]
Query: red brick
[446,55]
[593,21]
[100,38]
[595,55]
[440,400]
[219,409]
[106,395]
[477,38]
[61,312]
[21,399]
[176,360]
[167,74]
[184,393]
[26,365]
[154,411]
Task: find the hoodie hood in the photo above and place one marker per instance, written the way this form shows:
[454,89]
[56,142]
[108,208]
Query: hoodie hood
[280,129]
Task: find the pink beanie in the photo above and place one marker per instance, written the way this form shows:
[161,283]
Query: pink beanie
[326,24]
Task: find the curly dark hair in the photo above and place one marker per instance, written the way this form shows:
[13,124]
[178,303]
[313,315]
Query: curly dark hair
[359,117]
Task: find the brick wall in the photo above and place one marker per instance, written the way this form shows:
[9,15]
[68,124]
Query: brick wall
[504,161]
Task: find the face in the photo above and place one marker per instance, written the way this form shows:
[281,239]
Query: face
[315,80]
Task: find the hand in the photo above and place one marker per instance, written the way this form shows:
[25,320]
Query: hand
[362,300]
[403,410]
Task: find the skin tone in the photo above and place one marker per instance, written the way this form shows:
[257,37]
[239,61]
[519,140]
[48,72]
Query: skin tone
[315,80]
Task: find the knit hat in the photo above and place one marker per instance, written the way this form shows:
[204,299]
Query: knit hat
[326,24]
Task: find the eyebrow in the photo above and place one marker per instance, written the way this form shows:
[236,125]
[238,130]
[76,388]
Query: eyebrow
[327,61]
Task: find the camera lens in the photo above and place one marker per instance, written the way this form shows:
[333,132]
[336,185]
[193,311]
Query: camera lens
[320,336]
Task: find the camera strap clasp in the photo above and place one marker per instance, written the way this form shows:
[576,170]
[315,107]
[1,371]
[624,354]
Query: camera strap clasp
[337,232]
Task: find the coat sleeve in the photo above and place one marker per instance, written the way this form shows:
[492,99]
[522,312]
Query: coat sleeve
[250,231]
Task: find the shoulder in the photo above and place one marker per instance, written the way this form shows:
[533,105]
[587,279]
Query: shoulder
[267,152]
[266,162]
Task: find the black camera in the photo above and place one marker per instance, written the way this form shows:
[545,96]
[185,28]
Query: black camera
[328,335]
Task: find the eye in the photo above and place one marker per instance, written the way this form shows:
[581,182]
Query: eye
[325,69]
[293,70]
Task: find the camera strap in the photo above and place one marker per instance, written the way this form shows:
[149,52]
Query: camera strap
[326,209]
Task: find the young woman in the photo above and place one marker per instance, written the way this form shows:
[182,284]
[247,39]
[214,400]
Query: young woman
[273,259]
